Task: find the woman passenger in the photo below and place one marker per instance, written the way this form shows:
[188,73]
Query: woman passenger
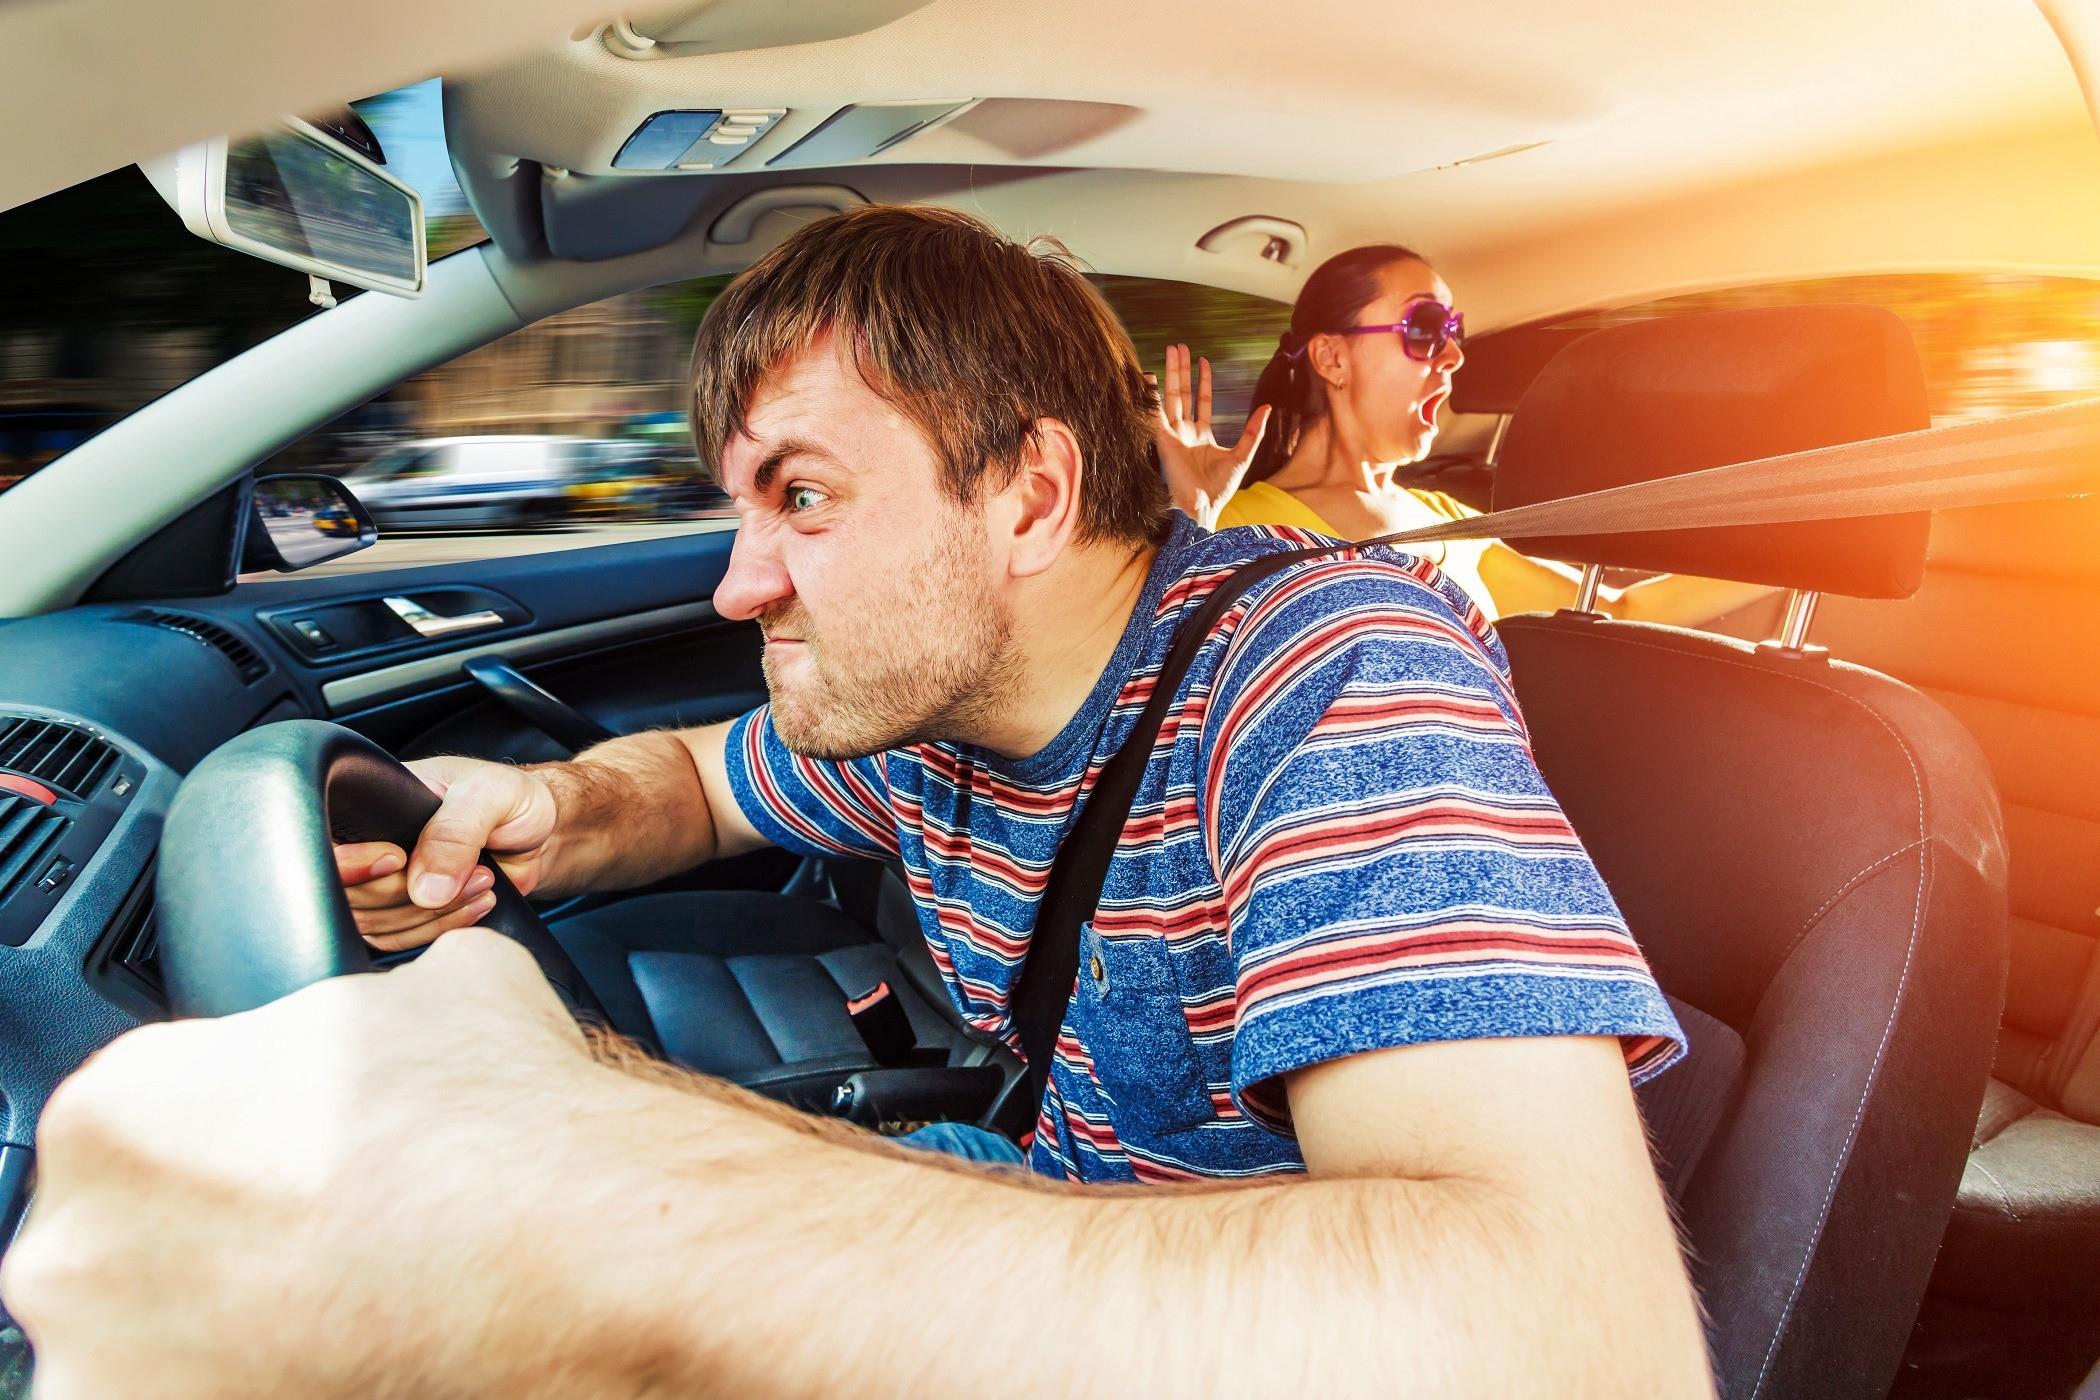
[1348,400]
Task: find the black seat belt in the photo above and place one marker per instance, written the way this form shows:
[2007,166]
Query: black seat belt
[1080,868]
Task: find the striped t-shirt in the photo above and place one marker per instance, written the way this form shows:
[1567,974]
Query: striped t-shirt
[1341,844]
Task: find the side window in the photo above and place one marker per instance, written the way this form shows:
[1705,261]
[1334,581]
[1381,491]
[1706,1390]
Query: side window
[1234,331]
[573,431]
[567,433]
[107,301]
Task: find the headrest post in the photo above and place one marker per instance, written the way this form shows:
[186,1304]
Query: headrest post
[1495,442]
[1586,591]
[1800,614]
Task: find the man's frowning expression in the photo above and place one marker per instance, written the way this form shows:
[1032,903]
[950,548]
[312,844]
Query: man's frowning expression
[874,586]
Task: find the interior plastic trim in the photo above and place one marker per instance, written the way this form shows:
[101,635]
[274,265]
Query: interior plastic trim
[352,693]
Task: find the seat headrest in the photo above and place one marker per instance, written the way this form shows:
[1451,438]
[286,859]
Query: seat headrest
[1665,397]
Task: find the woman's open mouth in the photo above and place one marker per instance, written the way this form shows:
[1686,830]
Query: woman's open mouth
[1426,410]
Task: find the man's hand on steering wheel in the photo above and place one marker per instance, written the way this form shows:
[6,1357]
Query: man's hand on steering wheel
[490,806]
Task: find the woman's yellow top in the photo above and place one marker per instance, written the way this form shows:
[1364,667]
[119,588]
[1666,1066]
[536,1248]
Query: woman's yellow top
[1261,503]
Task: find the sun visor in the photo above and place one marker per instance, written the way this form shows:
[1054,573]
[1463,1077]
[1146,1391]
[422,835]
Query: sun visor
[1684,393]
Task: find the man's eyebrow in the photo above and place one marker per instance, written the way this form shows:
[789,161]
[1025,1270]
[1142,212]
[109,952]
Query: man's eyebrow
[769,466]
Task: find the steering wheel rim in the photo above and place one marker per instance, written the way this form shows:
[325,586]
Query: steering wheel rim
[247,898]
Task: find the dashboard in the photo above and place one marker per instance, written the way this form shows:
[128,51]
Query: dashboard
[97,706]
[82,796]
[105,706]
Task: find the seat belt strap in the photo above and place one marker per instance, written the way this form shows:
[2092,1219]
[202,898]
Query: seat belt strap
[1080,869]
[2040,455]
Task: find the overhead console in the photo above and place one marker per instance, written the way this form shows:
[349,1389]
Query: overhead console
[863,130]
[698,139]
[695,140]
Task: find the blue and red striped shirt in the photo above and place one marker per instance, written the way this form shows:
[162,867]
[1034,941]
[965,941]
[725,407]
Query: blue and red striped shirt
[1341,844]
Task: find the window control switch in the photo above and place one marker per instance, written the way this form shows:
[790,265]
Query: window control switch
[315,634]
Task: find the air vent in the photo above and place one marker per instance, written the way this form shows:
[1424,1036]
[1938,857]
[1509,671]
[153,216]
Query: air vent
[136,947]
[125,966]
[59,756]
[28,831]
[246,659]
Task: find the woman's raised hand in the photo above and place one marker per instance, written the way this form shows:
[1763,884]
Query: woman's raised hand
[1201,474]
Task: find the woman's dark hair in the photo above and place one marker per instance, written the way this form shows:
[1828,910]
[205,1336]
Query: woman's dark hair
[1330,300]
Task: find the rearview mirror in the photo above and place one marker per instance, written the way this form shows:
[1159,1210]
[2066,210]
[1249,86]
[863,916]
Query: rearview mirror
[300,521]
[304,197]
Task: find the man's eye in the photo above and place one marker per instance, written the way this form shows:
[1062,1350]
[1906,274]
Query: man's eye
[803,498]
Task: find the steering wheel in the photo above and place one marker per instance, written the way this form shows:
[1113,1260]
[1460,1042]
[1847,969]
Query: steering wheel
[248,901]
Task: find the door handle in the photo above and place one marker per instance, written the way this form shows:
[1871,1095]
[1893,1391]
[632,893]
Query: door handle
[550,714]
[429,624]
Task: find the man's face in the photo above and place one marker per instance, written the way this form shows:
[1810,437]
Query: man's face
[876,590]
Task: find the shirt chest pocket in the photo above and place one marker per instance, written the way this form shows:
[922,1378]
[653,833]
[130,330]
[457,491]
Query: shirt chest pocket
[1127,1011]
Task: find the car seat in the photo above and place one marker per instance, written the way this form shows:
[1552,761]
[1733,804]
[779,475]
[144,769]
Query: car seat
[2005,633]
[1810,853]
[753,987]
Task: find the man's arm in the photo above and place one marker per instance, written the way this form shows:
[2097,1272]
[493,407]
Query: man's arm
[292,1201]
[623,813]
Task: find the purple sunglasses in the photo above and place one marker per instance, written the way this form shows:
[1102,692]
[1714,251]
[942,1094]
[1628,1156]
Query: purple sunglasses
[1428,326]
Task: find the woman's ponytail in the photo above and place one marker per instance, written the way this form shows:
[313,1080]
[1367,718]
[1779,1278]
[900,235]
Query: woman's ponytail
[1331,299]
[1282,387]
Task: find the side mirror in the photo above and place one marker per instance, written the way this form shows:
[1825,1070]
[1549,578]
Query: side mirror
[299,521]
[301,196]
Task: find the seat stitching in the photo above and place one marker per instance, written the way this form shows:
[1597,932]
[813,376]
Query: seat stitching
[1888,1029]
[1902,980]
[2003,1194]
[1846,888]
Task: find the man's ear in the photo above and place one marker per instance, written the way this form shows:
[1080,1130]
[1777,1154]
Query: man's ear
[1038,512]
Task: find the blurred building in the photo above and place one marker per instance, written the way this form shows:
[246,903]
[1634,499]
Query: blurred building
[113,369]
[589,372]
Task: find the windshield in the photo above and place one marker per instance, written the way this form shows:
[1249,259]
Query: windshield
[107,301]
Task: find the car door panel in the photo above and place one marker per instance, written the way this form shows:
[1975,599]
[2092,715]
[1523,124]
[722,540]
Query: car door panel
[624,633]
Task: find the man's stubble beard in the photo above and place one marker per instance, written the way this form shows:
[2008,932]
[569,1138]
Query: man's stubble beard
[936,670]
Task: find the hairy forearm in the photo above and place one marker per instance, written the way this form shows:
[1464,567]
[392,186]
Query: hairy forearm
[766,1254]
[629,811]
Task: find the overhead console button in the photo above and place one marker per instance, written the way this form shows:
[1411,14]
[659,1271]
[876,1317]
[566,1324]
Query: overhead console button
[659,143]
[695,140]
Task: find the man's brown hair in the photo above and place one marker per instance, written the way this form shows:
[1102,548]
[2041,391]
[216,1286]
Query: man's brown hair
[972,335]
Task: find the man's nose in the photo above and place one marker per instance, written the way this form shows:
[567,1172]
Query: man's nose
[757,578]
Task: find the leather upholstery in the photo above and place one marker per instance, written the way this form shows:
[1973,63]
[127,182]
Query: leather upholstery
[2026,1226]
[1810,854]
[1684,1108]
[750,987]
[2005,633]
[1662,398]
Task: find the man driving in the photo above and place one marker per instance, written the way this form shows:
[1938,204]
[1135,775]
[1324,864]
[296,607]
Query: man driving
[1356,1012]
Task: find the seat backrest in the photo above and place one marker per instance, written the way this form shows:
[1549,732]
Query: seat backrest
[1809,853]
[2005,633]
